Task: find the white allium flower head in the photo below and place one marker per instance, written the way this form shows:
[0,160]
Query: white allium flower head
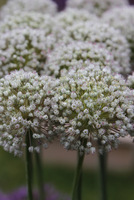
[71,16]
[25,105]
[24,49]
[97,7]
[123,20]
[29,19]
[105,35]
[93,106]
[40,6]
[78,55]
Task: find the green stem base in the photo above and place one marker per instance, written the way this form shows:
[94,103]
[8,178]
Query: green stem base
[29,167]
[76,193]
[40,176]
[103,175]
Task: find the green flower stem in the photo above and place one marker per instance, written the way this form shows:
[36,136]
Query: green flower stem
[76,194]
[103,175]
[40,176]
[80,188]
[29,166]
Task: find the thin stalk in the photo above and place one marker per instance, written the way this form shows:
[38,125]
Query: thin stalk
[80,188]
[76,193]
[40,176]
[29,167]
[103,175]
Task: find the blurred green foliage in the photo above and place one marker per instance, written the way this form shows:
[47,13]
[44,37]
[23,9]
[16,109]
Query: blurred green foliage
[12,176]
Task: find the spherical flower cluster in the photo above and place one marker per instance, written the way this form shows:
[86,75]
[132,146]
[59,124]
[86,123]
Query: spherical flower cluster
[96,6]
[71,16]
[130,81]
[78,55]
[29,19]
[93,106]
[40,6]
[24,109]
[123,19]
[24,49]
[101,33]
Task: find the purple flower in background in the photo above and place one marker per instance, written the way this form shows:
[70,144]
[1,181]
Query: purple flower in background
[21,194]
[62,3]
[130,1]
[3,196]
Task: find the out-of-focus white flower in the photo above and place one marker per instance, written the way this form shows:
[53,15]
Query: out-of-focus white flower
[105,35]
[72,16]
[40,6]
[79,55]
[93,106]
[97,7]
[24,49]
[25,106]
[123,20]
[33,20]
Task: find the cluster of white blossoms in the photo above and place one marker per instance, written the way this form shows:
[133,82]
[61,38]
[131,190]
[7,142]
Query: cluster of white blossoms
[82,100]
[97,7]
[40,6]
[93,106]
[24,105]
[123,20]
[24,49]
[78,55]
[130,81]
[105,35]
[72,16]
[29,19]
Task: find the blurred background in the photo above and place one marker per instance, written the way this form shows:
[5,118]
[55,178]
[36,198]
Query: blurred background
[61,3]
[59,166]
